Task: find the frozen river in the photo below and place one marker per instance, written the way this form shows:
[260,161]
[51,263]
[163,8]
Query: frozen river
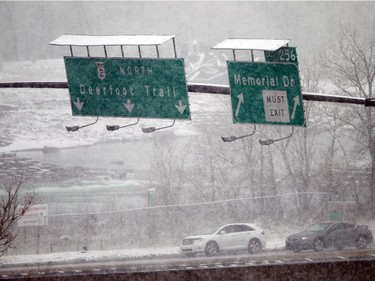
[97,178]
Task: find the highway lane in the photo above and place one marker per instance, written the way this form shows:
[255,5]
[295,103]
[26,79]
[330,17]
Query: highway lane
[180,262]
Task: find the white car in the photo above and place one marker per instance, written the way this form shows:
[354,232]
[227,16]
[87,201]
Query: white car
[235,236]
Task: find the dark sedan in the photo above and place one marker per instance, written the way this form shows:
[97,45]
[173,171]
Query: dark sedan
[327,234]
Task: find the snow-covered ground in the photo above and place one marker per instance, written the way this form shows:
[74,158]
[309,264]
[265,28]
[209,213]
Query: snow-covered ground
[65,257]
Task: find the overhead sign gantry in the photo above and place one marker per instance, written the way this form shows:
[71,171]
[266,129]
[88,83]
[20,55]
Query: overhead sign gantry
[124,86]
[265,92]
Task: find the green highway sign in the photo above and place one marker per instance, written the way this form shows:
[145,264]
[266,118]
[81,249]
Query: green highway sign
[266,93]
[128,87]
[284,54]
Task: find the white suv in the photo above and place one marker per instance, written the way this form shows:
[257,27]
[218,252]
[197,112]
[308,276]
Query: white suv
[235,236]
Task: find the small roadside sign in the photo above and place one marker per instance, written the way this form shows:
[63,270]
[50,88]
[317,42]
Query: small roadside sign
[32,221]
[151,197]
[266,93]
[128,87]
[35,215]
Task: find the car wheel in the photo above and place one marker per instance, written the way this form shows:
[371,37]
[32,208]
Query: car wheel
[211,248]
[318,245]
[339,247]
[254,246]
[361,242]
[296,249]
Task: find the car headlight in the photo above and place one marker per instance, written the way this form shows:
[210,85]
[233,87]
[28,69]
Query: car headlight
[303,238]
[197,240]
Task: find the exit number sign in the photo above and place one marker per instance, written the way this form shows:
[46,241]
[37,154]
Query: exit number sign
[284,54]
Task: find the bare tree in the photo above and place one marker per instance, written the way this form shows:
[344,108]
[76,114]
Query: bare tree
[299,153]
[351,65]
[299,158]
[12,207]
[215,175]
[341,164]
[333,127]
[167,164]
[312,74]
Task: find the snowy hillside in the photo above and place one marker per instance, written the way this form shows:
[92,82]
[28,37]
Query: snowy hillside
[36,118]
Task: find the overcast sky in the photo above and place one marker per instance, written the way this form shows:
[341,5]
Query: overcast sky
[28,27]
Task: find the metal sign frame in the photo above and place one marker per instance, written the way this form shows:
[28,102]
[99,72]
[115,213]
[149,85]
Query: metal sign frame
[114,40]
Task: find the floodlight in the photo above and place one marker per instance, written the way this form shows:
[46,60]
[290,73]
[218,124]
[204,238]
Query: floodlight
[76,127]
[149,130]
[229,139]
[117,127]
[266,142]
[153,129]
[271,141]
[113,127]
[233,138]
[72,128]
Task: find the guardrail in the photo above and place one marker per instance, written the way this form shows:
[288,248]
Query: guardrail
[361,270]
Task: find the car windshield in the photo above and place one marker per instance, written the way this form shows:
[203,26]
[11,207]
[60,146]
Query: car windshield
[318,227]
[209,231]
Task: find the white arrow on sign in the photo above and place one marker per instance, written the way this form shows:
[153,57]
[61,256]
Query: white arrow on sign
[180,107]
[240,101]
[78,104]
[129,106]
[296,103]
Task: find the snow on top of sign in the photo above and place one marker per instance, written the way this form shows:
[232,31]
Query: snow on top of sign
[252,44]
[110,40]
